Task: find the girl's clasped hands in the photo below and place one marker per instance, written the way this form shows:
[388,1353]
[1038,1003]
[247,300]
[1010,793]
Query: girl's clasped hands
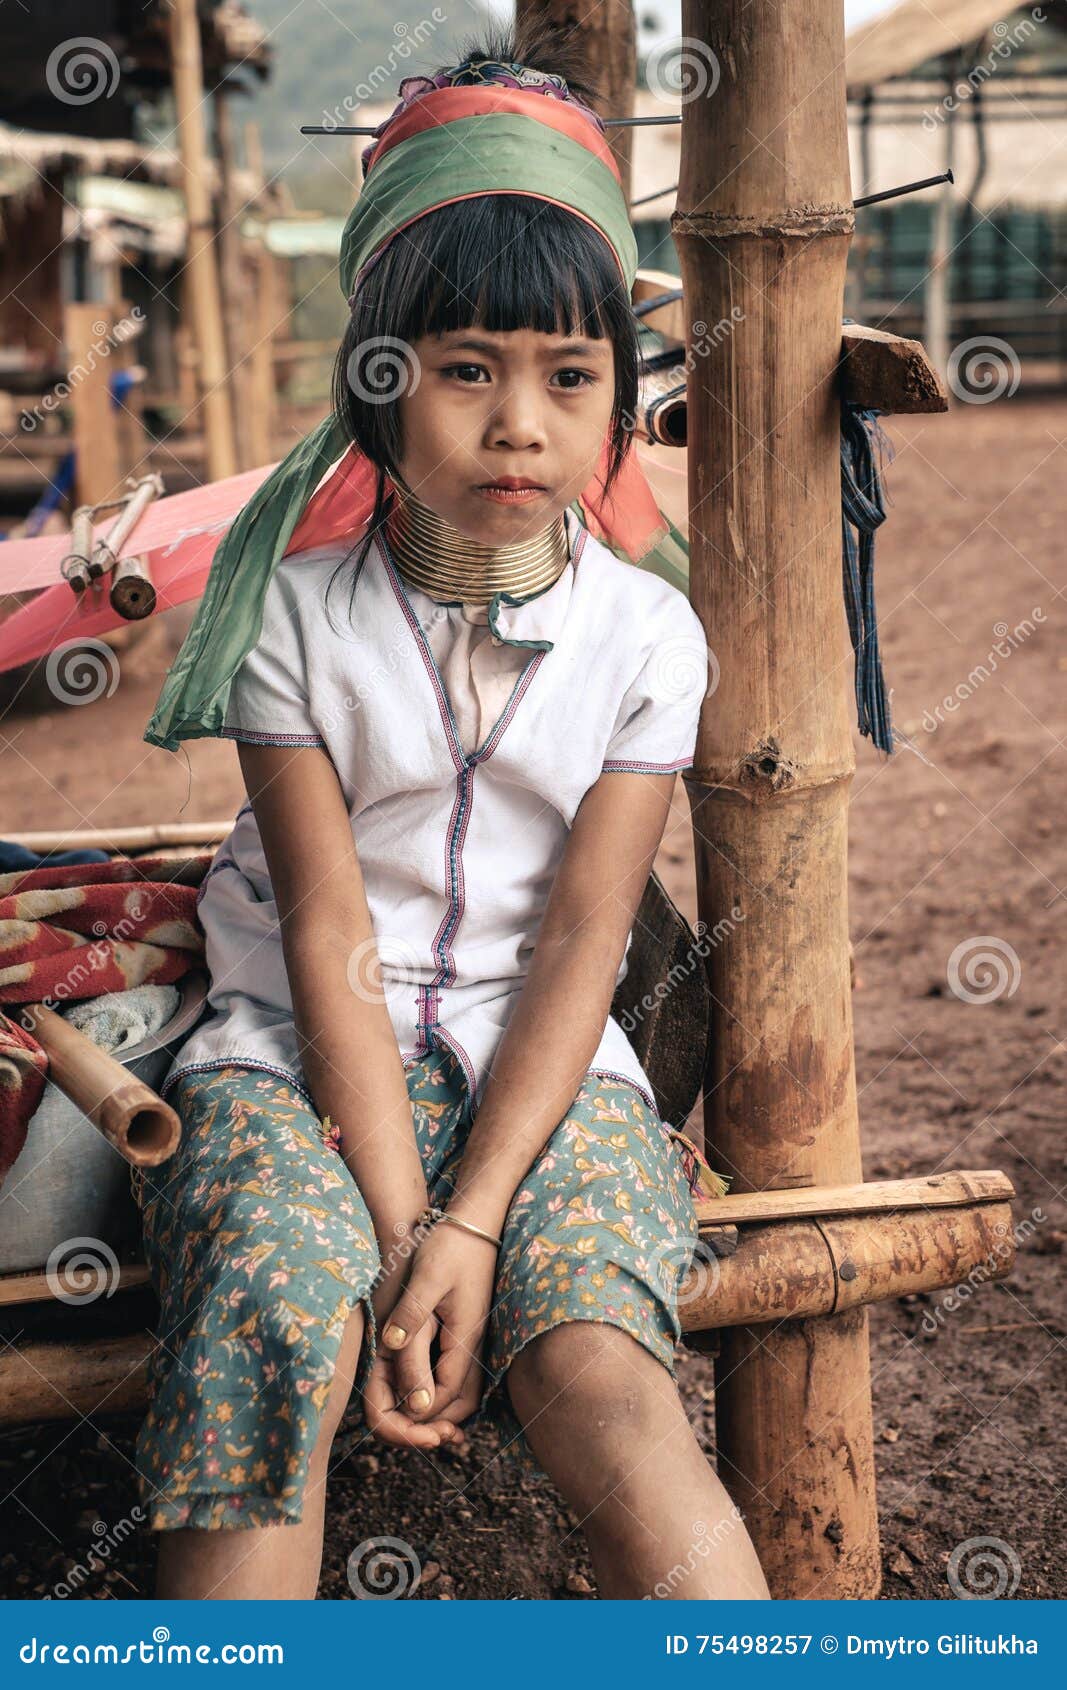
[410,1399]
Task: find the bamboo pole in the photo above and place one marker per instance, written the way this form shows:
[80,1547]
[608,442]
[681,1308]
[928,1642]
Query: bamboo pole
[118,839]
[762,224]
[793,1271]
[188,78]
[235,290]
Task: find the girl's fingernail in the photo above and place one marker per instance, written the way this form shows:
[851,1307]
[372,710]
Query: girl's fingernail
[394,1335]
[420,1399]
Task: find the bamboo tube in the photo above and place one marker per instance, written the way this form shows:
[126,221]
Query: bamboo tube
[137,1123]
[661,407]
[67,1381]
[188,80]
[762,225]
[75,566]
[136,502]
[798,1270]
[118,839]
[133,592]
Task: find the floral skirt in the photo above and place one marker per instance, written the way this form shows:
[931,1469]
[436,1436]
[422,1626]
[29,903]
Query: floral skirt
[260,1245]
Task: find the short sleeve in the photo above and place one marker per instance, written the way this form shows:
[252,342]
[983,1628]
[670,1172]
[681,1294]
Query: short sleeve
[656,727]
[268,700]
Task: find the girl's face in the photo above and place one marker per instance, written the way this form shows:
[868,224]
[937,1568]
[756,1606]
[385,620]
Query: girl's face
[505,407]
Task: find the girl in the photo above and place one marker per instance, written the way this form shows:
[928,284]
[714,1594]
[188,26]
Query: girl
[458,778]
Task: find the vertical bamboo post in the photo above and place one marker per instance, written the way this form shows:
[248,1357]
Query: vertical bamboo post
[235,289]
[188,78]
[763,225]
[610,33]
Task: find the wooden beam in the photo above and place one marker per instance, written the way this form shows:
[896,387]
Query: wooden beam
[66,1381]
[763,223]
[888,372]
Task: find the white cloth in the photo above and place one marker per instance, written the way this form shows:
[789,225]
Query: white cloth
[458,847]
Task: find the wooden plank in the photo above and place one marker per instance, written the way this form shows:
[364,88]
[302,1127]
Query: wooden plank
[16,1288]
[937,1191]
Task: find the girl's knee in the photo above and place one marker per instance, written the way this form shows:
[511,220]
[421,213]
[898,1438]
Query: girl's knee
[581,1362]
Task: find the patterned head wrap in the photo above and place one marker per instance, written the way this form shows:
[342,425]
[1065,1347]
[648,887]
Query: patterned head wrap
[483,127]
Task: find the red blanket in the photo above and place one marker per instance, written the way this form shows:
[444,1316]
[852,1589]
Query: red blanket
[78,931]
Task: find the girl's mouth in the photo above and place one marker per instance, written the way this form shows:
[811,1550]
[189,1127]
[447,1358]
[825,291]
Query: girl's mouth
[511,491]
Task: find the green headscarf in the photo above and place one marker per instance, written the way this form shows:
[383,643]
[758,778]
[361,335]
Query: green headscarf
[496,152]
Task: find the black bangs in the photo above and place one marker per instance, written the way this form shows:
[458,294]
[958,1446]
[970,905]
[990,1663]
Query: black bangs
[502,261]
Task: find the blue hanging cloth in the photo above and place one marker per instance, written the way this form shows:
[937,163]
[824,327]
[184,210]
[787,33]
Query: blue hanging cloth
[862,512]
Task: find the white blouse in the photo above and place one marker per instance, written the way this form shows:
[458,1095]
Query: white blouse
[464,739]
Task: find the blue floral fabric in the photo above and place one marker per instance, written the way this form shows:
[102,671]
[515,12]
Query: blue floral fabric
[260,1245]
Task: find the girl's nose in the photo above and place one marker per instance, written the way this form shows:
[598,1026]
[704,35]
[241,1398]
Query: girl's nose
[518,420]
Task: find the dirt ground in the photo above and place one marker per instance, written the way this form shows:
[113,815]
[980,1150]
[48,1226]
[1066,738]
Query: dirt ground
[957,850]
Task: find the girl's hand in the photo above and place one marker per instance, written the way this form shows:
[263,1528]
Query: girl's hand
[449,1287]
[383,1406]
[386,1418]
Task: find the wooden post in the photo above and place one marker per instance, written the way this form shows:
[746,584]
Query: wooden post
[610,34]
[187,73]
[97,469]
[937,325]
[235,290]
[763,223]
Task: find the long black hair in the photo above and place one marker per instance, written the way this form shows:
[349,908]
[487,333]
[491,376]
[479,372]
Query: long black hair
[501,261]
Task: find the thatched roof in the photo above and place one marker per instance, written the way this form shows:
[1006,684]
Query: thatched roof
[29,153]
[914,32]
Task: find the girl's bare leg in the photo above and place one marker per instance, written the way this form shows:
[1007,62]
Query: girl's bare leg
[279,1562]
[605,1421]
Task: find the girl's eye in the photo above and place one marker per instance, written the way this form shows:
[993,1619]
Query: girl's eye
[584,380]
[462,372]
